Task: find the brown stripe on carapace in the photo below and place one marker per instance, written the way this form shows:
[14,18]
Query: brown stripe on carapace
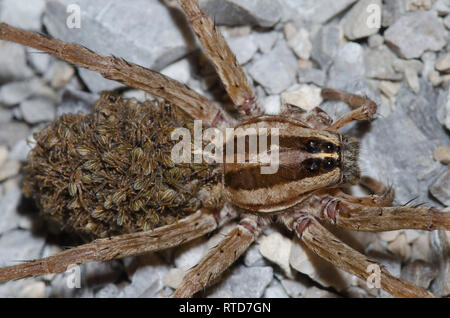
[252,179]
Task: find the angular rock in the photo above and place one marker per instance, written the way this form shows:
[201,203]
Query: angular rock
[253,257]
[314,292]
[301,44]
[13,62]
[3,155]
[146,278]
[306,97]
[440,189]
[325,45]
[447,21]
[5,115]
[243,47]
[16,92]
[271,104]
[277,249]
[9,170]
[265,40]
[317,11]
[442,7]
[244,282]
[190,254]
[109,28]
[38,110]
[174,277]
[19,245]
[12,132]
[264,13]
[419,273]
[312,75]
[275,290]
[108,291]
[443,63]
[375,40]
[400,247]
[379,64]
[442,154]
[362,20]
[390,89]
[276,70]
[180,71]
[415,33]
[59,74]
[392,11]
[414,5]
[294,288]
[348,66]
[22,14]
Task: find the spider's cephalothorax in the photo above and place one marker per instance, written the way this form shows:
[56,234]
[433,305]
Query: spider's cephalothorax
[110,172]
[113,169]
[308,159]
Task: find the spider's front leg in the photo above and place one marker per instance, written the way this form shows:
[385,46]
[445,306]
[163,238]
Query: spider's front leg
[363,107]
[221,256]
[329,247]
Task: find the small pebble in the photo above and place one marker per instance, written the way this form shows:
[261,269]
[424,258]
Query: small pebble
[277,248]
[443,63]
[9,170]
[38,110]
[442,154]
[304,96]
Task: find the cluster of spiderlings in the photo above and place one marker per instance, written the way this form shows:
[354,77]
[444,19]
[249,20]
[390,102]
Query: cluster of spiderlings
[111,172]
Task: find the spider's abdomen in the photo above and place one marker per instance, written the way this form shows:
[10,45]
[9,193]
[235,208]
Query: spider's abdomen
[111,172]
[308,159]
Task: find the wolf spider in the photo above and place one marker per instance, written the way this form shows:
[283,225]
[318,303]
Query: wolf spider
[303,195]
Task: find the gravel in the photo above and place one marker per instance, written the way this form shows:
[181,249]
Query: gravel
[288,49]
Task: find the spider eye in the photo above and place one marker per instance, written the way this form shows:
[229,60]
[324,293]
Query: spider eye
[329,147]
[313,165]
[328,164]
[312,146]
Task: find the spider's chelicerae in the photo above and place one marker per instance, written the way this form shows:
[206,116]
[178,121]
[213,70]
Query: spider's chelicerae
[110,174]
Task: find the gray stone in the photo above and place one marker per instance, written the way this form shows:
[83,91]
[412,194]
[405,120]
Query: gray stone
[312,75]
[146,274]
[108,291]
[348,65]
[415,33]
[408,169]
[253,257]
[127,30]
[447,21]
[325,45]
[271,104]
[392,11]
[316,11]
[19,245]
[243,47]
[244,282]
[5,115]
[275,290]
[265,40]
[300,43]
[9,169]
[294,288]
[16,92]
[443,63]
[74,101]
[264,13]
[12,132]
[19,151]
[13,62]
[440,248]
[9,201]
[314,292]
[379,64]
[39,60]
[419,273]
[360,21]
[59,74]
[440,189]
[180,71]
[190,253]
[22,14]
[442,7]
[375,40]
[276,70]
[38,110]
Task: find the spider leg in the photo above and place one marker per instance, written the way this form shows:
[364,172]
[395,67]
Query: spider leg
[363,107]
[221,256]
[329,247]
[121,71]
[217,50]
[362,216]
[120,246]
